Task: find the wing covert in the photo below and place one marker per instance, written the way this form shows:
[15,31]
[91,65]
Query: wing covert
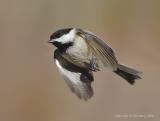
[100,49]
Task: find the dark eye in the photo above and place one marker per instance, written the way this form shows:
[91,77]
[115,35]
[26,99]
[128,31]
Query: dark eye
[55,35]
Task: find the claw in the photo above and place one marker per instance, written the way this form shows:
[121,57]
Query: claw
[93,65]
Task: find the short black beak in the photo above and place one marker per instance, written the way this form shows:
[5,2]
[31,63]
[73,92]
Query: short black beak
[51,41]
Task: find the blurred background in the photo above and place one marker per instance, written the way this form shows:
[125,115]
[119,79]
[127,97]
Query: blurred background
[31,88]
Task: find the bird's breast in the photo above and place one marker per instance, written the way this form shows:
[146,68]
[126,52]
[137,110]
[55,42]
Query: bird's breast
[79,49]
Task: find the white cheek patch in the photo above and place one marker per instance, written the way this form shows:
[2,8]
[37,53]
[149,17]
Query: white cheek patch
[66,37]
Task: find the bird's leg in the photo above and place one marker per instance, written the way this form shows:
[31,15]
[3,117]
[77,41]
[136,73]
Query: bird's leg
[93,66]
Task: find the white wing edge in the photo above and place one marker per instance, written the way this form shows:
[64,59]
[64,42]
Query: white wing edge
[81,89]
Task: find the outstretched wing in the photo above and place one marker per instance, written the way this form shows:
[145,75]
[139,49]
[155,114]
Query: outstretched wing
[78,79]
[82,89]
[100,49]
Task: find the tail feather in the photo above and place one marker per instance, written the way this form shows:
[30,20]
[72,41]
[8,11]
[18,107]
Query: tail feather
[129,74]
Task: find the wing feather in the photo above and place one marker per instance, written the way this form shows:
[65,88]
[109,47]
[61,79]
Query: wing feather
[100,49]
[82,89]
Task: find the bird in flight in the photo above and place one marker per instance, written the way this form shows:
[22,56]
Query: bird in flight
[79,53]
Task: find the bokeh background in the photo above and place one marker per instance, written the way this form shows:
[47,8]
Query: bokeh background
[31,88]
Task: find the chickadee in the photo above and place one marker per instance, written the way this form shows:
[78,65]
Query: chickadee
[79,53]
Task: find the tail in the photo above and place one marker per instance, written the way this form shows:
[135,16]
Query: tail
[129,74]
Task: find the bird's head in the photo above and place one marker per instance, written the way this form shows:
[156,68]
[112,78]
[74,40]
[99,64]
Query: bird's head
[63,38]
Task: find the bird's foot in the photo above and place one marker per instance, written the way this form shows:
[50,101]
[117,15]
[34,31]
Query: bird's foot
[93,65]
